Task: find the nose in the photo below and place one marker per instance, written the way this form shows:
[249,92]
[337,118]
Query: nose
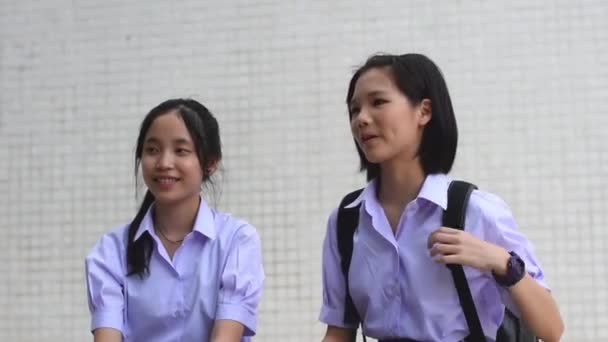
[362,119]
[165,161]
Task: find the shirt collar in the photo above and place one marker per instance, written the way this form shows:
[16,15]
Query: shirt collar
[368,194]
[434,189]
[203,223]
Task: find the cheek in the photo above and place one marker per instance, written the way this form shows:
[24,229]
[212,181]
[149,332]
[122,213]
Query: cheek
[353,125]
[146,168]
[403,135]
[147,165]
[193,168]
[354,130]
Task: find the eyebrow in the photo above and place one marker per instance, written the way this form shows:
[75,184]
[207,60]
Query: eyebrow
[178,141]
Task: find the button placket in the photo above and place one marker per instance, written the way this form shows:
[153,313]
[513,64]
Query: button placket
[178,301]
[395,290]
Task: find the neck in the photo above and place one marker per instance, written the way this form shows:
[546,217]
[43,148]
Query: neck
[176,219]
[400,181]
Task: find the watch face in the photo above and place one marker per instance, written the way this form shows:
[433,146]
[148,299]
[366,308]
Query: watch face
[516,269]
[519,264]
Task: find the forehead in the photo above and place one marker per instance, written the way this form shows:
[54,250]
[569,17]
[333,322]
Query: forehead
[168,127]
[374,80]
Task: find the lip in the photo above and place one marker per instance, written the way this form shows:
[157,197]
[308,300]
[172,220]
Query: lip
[365,138]
[166,182]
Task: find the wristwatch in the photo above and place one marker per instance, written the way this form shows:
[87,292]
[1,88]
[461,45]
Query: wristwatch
[516,269]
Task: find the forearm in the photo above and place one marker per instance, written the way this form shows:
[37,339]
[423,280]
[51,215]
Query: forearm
[538,309]
[536,305]
[107,335]
[227,331]
[336,334]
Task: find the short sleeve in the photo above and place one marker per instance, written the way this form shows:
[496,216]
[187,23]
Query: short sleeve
[334,287]
[104,277]
[505,233]
[242,280]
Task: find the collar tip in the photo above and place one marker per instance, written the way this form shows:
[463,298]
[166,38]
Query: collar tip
[352,205]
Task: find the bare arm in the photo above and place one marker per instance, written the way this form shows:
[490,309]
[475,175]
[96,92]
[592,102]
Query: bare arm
[336,334]
[537,306]
[538,309]
[225,330]
[107,335]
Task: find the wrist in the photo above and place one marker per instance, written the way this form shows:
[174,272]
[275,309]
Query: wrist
[500,266]
[515,270]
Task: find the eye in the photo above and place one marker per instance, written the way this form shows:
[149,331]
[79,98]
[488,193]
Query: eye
[354,110]
[150,150]
[182,151]
[378,102]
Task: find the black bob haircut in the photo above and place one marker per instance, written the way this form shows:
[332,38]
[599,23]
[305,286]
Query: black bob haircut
[418,78]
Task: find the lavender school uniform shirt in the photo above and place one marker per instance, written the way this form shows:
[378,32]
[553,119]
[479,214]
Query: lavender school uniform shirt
[396,286]
[215,274]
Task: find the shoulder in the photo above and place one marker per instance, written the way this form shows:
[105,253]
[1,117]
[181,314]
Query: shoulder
[340,225]
[230,227]
[487,205]
[333,218]
[115,238]
[488,215]
[108,254]
[332,222]
[349,203]
[111,244]
[348,208]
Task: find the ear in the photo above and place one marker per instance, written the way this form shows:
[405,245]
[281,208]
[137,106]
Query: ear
[212,165]
[425,112]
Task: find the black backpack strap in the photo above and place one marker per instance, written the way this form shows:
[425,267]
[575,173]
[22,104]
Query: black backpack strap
[454,217]
[348,220]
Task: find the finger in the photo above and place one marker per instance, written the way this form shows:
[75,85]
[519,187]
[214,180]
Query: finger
[442,230]
[445,238]
[449,230]
[445,249]
[453,259]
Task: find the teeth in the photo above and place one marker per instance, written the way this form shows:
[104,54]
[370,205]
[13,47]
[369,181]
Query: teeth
[166,180]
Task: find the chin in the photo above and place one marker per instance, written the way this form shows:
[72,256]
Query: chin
[168,198]
[376,158]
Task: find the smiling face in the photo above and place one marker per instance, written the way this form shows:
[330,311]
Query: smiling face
[384,122]
[169,162]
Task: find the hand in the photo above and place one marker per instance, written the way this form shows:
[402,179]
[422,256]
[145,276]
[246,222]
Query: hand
[454,246]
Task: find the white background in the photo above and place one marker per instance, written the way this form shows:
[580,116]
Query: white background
[528,82]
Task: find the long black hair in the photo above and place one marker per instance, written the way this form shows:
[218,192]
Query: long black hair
[418,78]
[205,134]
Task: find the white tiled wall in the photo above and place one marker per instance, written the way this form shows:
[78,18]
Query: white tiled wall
[528,80]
